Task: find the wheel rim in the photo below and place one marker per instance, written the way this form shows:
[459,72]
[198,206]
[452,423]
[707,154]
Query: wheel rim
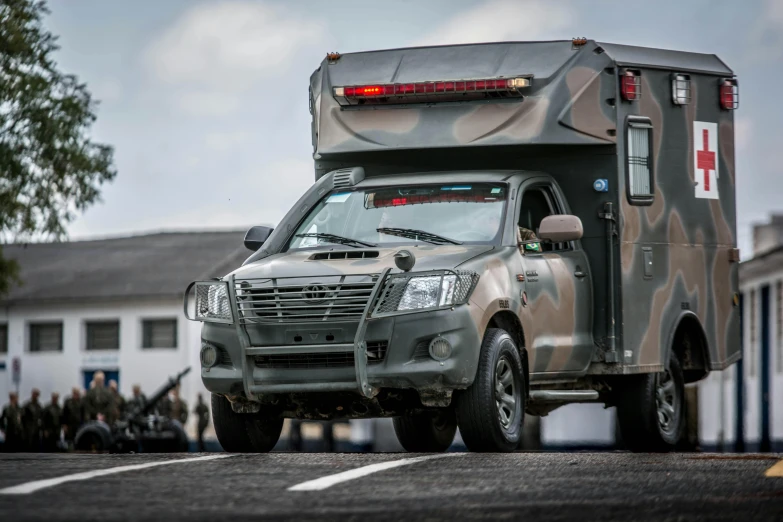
[505,393]
[667,400]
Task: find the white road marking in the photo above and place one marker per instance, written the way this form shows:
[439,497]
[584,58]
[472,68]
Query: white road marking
[331,480]
[31,487]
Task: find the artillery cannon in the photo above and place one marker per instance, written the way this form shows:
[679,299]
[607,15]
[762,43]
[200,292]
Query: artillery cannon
[141,429]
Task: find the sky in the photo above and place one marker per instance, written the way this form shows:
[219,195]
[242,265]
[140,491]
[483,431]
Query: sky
[206,102]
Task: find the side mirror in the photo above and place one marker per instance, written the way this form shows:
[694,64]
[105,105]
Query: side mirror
[256,237]
[560,228]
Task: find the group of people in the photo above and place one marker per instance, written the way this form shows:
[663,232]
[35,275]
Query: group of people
[34,427]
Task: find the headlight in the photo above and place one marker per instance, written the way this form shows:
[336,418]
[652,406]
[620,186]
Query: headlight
[406,292]
[212,304]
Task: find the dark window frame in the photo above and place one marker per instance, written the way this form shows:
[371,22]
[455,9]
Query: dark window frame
[3,338]
[34,336]
[556,207]
[146,333]
[89,340]
[640,122]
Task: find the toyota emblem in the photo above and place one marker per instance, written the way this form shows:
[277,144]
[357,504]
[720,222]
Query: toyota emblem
[317,293]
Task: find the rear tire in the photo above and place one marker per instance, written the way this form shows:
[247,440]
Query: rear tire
[230,426]
[651,410]
[491,411]
[427,432]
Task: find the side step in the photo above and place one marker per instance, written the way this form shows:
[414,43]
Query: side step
[563,395]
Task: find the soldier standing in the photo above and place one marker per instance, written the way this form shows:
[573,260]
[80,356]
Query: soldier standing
[176,408]
[73,415]
[99,402]
[202,411]
[32,417]
[11,424]
[52,416]
[119,400]
[137,401]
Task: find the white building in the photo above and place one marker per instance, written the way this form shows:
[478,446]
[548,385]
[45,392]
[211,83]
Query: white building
[756,381]
[113,305]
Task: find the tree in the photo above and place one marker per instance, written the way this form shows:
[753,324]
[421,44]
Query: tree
[49,167]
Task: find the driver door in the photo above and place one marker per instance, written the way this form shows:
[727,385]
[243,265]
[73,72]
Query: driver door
[558,315]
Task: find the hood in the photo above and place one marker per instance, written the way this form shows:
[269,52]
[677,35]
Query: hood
[304,263]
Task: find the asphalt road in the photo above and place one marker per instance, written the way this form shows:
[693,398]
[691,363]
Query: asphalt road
[530,486]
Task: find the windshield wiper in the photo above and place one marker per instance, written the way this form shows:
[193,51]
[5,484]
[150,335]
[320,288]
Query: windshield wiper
[418,235]
[337,239]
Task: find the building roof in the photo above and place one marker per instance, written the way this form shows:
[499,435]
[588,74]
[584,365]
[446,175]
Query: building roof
[142,266]
[762,265]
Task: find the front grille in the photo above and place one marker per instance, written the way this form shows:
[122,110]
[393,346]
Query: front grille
[422,350]
[328,298]
[376,353]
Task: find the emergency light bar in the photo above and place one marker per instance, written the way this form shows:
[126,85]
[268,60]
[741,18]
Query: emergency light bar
[422,91]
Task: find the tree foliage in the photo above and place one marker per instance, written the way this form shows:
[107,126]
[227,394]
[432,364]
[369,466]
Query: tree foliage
[49,168]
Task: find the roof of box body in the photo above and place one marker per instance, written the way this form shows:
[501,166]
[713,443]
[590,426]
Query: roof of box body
[143,266]
[569,100]
[503,59]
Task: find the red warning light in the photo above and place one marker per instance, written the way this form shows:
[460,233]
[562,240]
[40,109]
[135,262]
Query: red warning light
[729,94]
[630,85]
[511,86]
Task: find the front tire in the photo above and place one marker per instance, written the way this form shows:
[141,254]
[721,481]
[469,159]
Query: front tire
[651,410]
[491,411]
[427,432]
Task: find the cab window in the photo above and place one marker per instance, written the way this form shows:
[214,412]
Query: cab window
[538,203]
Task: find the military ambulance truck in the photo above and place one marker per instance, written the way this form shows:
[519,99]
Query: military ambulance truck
[495,230]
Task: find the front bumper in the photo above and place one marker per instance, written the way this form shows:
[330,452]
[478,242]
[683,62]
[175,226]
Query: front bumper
[406,363]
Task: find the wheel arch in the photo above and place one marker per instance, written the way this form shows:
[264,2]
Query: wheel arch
[509,322]
[688,341]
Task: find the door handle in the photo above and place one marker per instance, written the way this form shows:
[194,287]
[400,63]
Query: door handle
[580,274]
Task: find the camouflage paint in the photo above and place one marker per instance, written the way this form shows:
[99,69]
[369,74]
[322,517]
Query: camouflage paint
[574,100]
[567,131]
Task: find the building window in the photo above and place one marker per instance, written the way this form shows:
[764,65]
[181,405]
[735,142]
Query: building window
[640,167]
[779,321]
[103,335]
[159,333]
[753,336]
[46,337]
[3,338]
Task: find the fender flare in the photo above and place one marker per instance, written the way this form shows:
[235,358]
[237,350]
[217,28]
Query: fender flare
[686,314]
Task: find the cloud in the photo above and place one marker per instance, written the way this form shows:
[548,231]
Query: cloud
[230,45]
[766,37]
[215,54]
[502,20]
[226,141]
[743,133]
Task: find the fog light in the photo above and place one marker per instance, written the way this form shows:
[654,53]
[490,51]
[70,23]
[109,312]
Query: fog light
[440,349]
[208,356]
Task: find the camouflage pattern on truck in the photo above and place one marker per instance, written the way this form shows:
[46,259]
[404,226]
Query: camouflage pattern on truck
[675,277]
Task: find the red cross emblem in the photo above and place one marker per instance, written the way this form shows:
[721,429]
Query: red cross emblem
[705,159]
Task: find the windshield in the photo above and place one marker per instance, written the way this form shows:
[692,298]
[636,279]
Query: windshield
[429,214]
